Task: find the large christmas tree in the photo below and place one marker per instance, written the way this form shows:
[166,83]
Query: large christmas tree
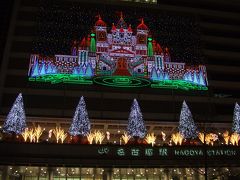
[236,119]
[80,124]
[16,118]
[136,127]
[187,126]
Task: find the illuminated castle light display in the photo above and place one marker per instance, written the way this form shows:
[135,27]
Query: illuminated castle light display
[122,57]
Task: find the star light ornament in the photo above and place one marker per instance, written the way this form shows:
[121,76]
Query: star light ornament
[136,126]
[16,118]
[187,126]
[80,124]
[236,119]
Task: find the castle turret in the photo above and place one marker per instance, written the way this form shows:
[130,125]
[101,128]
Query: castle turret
[121,23]
[142,34]
[92,43]
[101,35]
[129,35]
[83,52]
[114,29]
[83,44]
[74,48]
[167,57]
[150,47]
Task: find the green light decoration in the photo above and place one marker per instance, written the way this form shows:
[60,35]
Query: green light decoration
[117,81]
[62,78]
[92,35]
[121,81]
[150,47]
[149,39]
[93,43]
[177,84]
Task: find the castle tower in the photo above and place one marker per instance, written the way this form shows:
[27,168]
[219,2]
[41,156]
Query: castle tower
[121,23]
[129,35]
[74,48]
[101,35]
[142,34]
[167,57]
[114,34]
[122,30]
[83,52]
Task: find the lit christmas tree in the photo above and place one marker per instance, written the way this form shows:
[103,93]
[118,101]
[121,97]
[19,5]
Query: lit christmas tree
[16,118]
[136,127]
[187,126]
[236,119]
[80,124]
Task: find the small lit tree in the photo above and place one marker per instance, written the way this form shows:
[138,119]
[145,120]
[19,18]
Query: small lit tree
[80,124]
[187,126]
[136,126]
[236,119]
[16,118]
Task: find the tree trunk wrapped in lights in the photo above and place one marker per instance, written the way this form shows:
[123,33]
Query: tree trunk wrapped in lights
[187,126]
[236,119]
[15,122]
[125,137]
[151,139]
[177,138]
[136,127]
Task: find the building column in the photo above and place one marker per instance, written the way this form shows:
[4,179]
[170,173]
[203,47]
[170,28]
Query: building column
[107,174]
[4,170]
[8,45]
[50,173]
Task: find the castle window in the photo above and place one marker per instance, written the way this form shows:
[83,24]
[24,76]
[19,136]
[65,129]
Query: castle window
[104,68]
[139,70]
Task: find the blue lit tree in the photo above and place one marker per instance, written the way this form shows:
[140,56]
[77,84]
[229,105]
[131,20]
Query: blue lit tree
[136,126]
[236,119]
[187,126]
[16,118]
[80,124]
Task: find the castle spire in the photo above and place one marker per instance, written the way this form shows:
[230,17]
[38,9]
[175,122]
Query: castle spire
[113,27]
[130,28]
[121,15]
[121,23]
[100,22]
[142,26]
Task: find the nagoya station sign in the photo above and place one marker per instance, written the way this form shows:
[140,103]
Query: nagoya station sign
[169,152]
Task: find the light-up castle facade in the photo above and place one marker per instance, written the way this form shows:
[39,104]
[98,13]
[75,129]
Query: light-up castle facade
[122,57]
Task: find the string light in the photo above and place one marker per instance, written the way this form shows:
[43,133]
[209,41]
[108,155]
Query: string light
[80,124]
[136,126]
[16,118]
[125,137]
[151,139]
[187,126]
[236,119]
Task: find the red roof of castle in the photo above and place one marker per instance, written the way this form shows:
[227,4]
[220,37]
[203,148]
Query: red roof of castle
[113,27]
[100,22]
[130,28]
[142,26]
[83,42]
[121,29]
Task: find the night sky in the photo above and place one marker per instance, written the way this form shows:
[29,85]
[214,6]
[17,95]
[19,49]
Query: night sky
[60,24]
